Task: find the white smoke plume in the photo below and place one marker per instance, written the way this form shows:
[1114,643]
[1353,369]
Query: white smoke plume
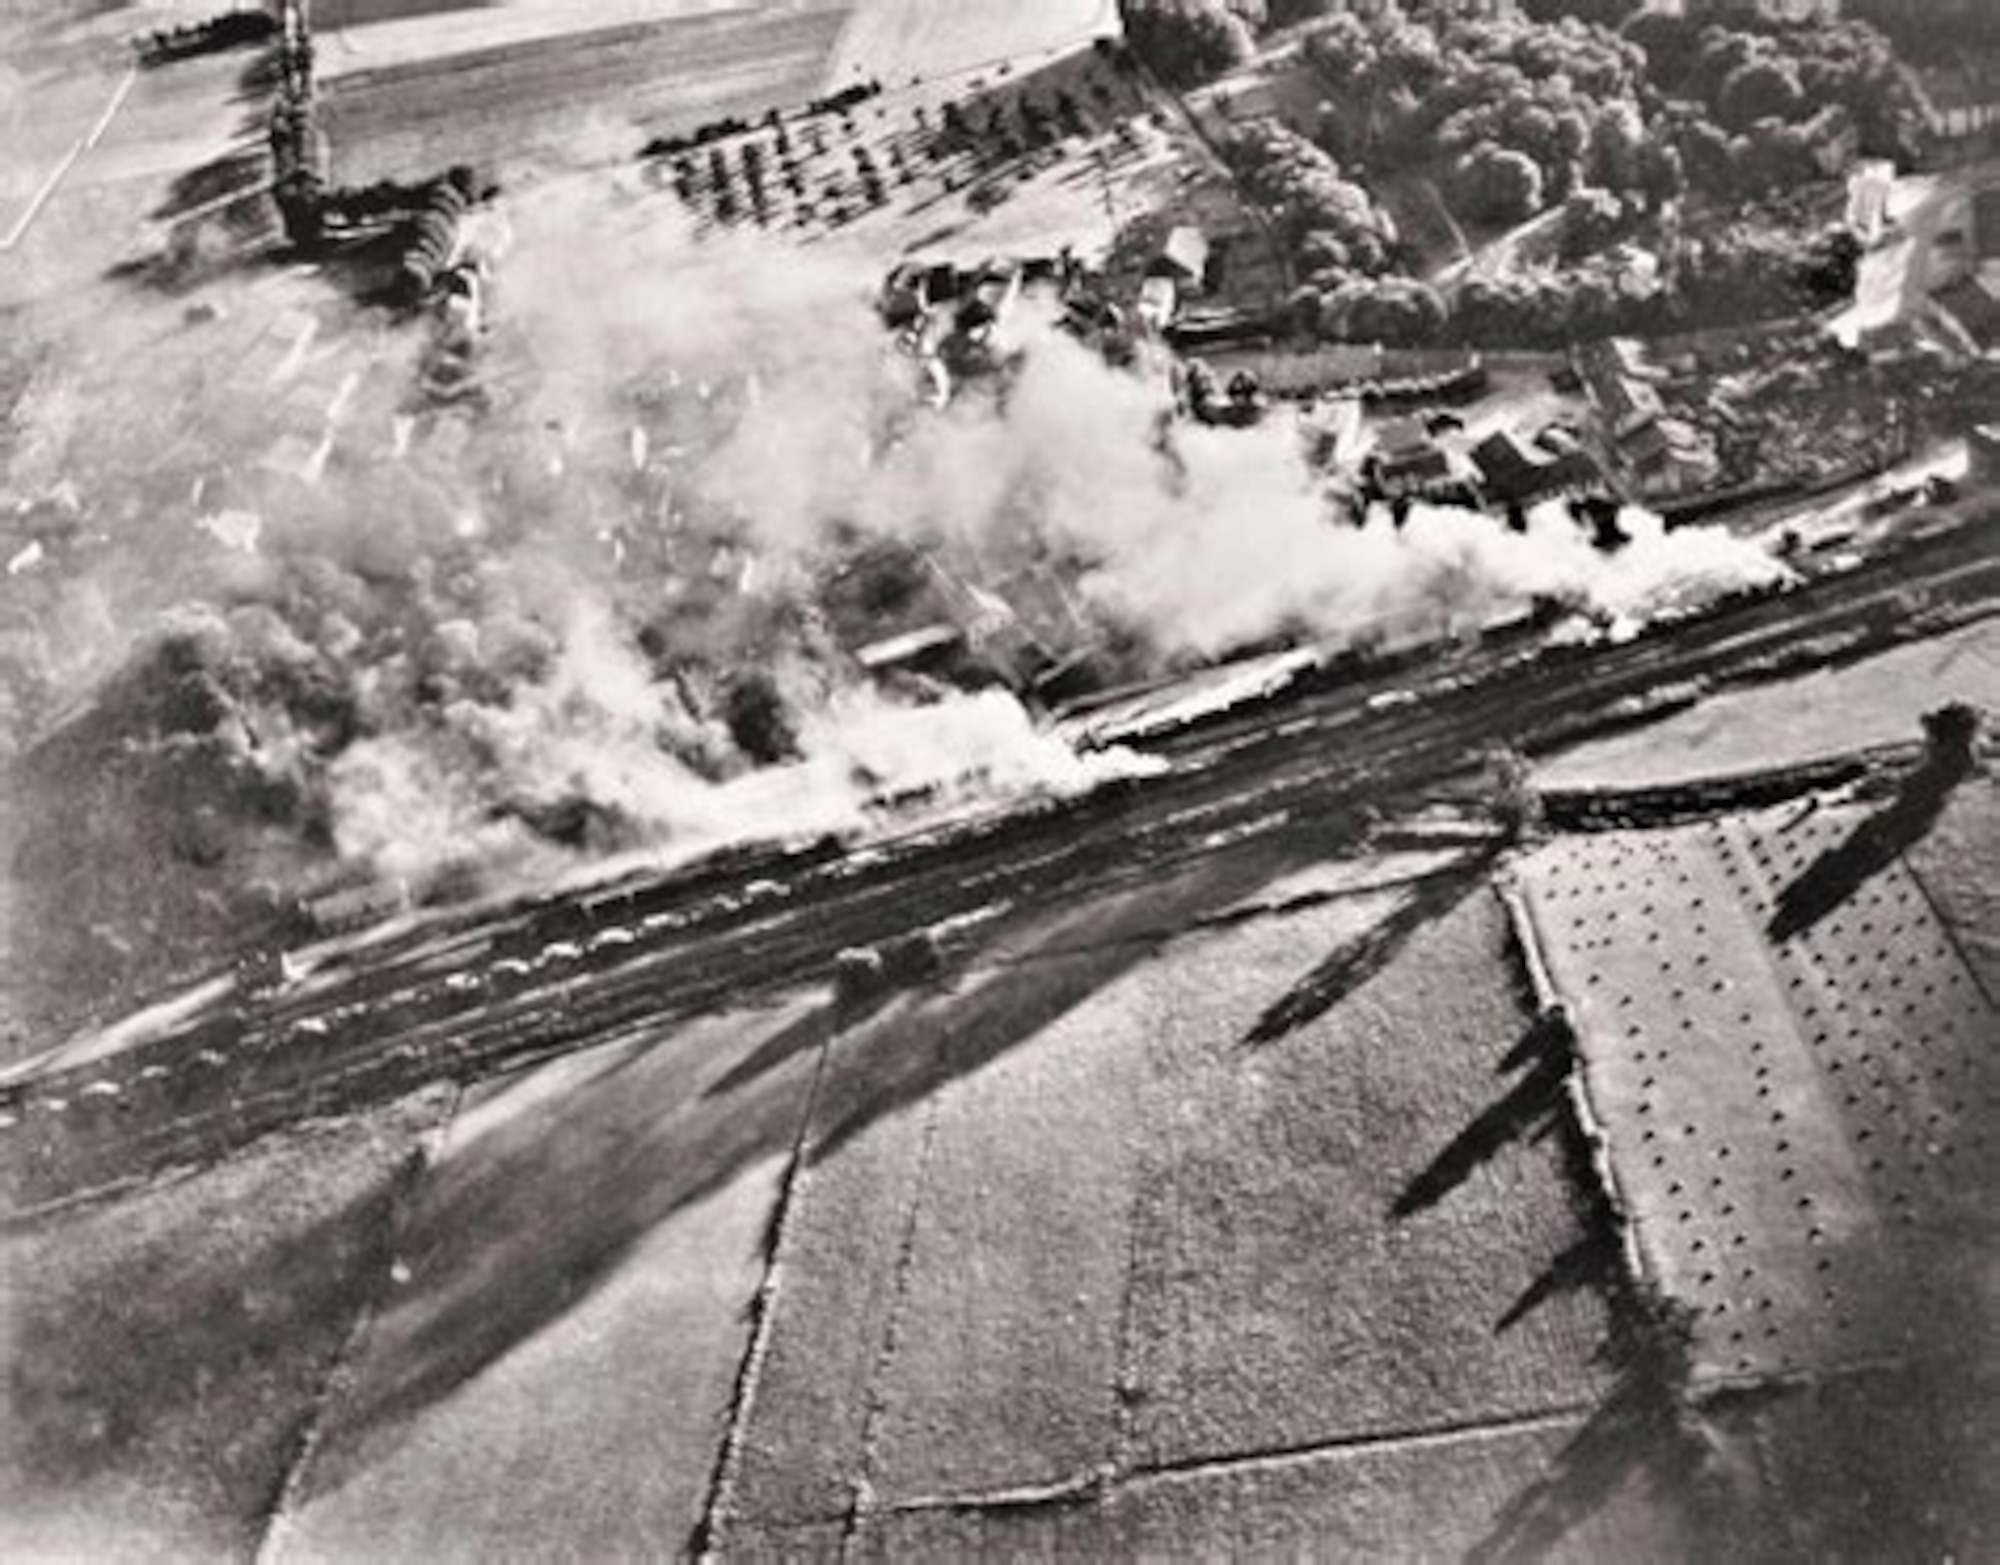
[471,636]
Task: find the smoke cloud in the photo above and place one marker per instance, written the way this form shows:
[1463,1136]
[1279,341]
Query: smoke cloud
[511,633]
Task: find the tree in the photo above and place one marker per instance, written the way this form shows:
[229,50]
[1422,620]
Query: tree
[1498,185]
[1397,310]
[1602,13]
[1303,309]
[1592,217]
[1704,150]
[1762,89]
[1617,140]
[1186,42]
[1662,174]
[1669,44]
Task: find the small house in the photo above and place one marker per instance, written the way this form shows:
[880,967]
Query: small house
[1183,256]
[1973,304]
[1514,473]
[1407,460]
[1671,457]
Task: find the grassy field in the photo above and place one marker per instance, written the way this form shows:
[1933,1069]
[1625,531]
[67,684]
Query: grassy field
[166,1352]
[503,84]
[158,159]
[1167,1205]
[411,87]
[898,42]
[554,1373]
[1958,864]
[1436,1499]
[1832,712]
[586,96]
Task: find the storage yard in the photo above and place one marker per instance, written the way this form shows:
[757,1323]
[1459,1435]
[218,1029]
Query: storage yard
[1799,1124]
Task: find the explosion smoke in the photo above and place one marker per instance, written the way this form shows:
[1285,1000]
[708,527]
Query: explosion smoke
[449,635]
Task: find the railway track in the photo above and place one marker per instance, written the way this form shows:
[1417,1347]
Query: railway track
[471,994]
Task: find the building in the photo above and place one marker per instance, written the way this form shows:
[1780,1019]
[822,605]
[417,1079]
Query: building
[1972,303]
[1764,10]
[1670,458]
[1984,445]
[1986,225]
[1407,461]
[1159,298]
[1625,403]
[1619,379]
[1465,10]
[1512,472]
[1962,105]
[1183,256]
[1869,185]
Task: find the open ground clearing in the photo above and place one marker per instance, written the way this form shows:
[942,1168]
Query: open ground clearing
[1430,1497]
[1163,1230]
[411,89]
[586,97]
[166,1353]
[896,42]
[1832,711]
[553,1371]
[116,165]
[1111,1199]
[1958,863]
[354,37]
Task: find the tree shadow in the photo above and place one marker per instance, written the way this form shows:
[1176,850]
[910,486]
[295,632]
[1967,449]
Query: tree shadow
[1591,1264]
[1648,1430]
[1355,962]
[808,1033]
[180,1344]
[521,1226]
[1528,1107]
[232,175]
[1874,844]
[1633,1431]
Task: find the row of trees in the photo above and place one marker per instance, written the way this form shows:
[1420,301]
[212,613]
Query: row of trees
[1520,112]
[1754,72]
[226,30]
[297,180]
[1739,275]
[1663,105]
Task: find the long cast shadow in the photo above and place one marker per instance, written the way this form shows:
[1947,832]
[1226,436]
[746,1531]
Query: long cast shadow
[1591,1264]
[1355,962]
[1873,845]
[1632,1431]
[238,172]
[526,1223]
[1530,1104]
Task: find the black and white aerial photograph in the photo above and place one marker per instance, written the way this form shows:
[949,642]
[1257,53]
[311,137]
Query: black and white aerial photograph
[955,780]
